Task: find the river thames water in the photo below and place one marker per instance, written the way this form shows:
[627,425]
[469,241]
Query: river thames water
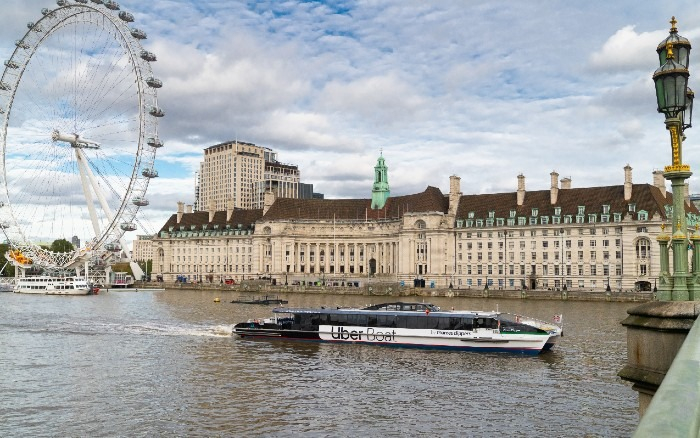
[164,363]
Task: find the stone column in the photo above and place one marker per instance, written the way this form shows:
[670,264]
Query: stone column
[694,279]
[665,280]
[655,333]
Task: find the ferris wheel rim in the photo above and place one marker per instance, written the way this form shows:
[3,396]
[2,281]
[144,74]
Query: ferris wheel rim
[53,21]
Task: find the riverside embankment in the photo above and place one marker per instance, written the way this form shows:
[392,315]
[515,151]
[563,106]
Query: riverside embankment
[261,287]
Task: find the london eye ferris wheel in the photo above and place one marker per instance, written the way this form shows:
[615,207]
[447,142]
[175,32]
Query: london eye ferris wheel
[79,134]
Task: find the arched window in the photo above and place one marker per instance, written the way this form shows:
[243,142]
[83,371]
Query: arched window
[643,246]
[420,224]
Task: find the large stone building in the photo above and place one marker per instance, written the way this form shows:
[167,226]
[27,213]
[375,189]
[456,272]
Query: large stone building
[582,238]
[240,173]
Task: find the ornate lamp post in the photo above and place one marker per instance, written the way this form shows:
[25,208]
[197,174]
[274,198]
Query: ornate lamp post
[674,100]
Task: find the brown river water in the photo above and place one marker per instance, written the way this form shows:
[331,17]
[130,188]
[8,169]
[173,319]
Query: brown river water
[164,363]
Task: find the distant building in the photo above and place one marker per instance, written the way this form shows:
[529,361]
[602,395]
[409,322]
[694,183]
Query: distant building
[306,191]
[237,175]
[75,241]
[142,248]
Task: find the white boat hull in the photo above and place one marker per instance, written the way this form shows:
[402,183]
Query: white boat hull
[482,339]
[45,285]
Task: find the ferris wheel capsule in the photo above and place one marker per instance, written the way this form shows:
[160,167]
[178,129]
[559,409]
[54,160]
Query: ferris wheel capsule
[148,56]
[140,201]
[81,1]
[5,86]
[150,173]
[21,44]
[137,33]
[109,4]
[156,112]
[154,142]
[154,82]
[61,2]
[125,16]
[112,246]
[99,2]
[128,226]
[11,64]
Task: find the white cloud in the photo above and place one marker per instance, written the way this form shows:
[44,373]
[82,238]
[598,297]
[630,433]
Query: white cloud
[483,90]
[628,50]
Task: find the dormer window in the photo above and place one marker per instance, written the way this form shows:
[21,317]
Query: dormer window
[606,209]
[492,214]
[470,215]
[557,211]
[535,212]
[617,217]
[642,215]
[513,213]
[591,218]
[581,209]
[632,207]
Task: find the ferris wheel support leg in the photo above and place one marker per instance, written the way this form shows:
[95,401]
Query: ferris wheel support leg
[95,187]
[83,169]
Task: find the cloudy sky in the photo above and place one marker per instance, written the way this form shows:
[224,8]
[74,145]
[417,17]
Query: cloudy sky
[480,89]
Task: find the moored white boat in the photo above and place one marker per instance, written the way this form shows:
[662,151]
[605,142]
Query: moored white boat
[49,285]
[416,325]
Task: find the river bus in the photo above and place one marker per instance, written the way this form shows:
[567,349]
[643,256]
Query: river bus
[50,285]
[402,324]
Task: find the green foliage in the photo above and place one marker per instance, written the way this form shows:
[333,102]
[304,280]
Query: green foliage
[61,245]
[9,270]
[122,267]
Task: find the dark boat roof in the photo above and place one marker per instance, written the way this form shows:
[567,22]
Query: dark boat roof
[384,309]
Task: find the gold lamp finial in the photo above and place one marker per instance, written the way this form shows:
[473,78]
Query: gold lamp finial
[669,50]
[663,227]
[673,24]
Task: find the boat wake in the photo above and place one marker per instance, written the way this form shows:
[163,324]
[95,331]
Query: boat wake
[175,330]
[89,328]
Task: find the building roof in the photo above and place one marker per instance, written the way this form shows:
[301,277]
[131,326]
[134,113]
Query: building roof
[244,218]
[645,197]
[431,199]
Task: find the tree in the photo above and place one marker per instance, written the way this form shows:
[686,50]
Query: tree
[9,270]
[61,245]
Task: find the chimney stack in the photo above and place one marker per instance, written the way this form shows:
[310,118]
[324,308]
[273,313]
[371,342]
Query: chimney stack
[180,210]
[268,200]
[455,194]
[211,209]
[521,190]
[659,181]
[554,189]
[566,183]
[628,183]
[188,208]
[229,209]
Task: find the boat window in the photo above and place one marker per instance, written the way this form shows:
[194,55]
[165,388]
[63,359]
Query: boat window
[386,321]
[444,323]
[464,323]
[488,323]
